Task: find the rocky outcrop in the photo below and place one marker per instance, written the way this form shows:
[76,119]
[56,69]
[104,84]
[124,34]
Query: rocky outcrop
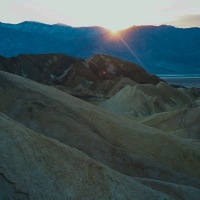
[101,73]
[43,68]
[147,99]
[103,67]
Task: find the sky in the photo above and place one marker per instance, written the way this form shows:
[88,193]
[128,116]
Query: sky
[110,14]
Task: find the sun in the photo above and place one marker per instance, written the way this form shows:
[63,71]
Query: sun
[114,31]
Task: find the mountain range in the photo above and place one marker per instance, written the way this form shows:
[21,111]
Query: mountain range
[161,50]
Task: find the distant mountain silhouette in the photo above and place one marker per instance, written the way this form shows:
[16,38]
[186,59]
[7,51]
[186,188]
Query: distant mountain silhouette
[159,49]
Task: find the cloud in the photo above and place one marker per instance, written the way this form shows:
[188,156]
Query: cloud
[187,21]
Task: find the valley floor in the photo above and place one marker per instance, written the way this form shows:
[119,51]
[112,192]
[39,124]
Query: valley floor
[186,81]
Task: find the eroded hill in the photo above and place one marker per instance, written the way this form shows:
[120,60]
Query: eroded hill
[116,141]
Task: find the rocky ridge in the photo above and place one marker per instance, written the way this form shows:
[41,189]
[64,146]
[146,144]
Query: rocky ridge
[97,76]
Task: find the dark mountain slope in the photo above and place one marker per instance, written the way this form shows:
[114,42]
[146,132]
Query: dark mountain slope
[97,75]
[38,67]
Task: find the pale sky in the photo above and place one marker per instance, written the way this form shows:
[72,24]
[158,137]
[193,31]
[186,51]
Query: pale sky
[111,14]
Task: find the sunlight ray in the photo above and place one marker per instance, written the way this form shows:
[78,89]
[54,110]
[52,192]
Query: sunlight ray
[132,52]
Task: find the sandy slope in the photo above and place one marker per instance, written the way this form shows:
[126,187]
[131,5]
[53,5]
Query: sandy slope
[182,122]
[36,167]
[124,145]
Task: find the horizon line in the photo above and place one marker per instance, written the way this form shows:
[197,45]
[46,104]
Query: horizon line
[93,26]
